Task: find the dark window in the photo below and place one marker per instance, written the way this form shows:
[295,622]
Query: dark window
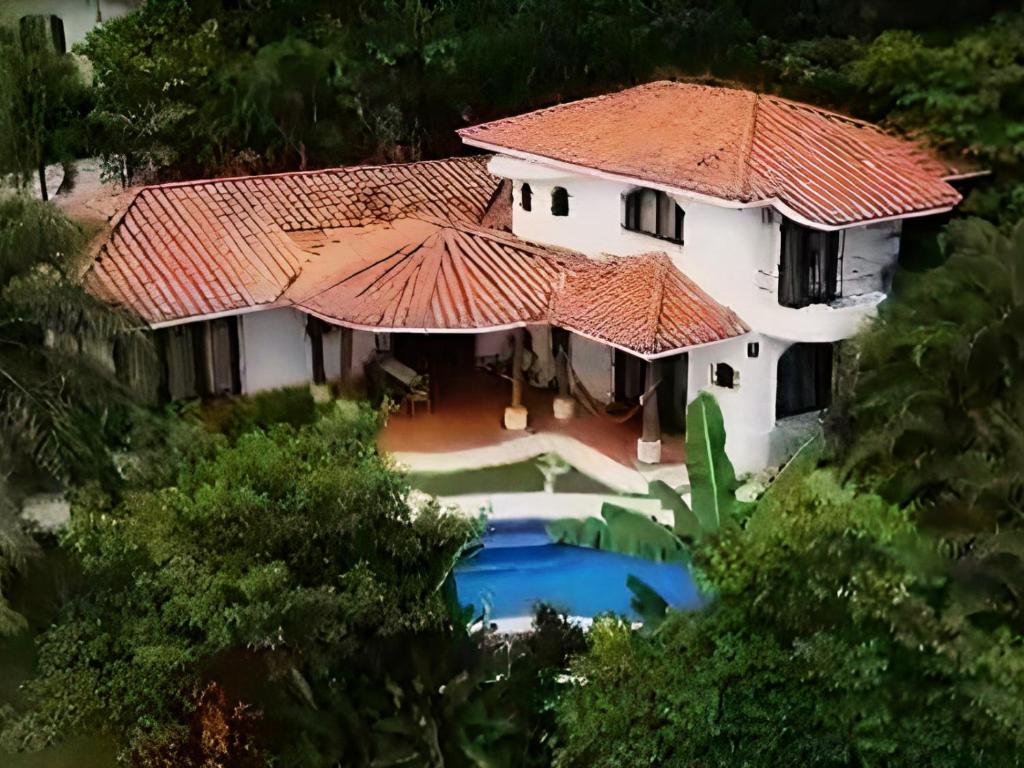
[315,330]
[810,271]
[201,358]
[222,357]
[723,375]
[629,377]
[753,349]
[654,213]
[526,197]
[559,202]
[804,380]
[42,30]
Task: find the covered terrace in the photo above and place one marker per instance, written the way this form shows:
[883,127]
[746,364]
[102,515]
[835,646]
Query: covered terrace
[509,337]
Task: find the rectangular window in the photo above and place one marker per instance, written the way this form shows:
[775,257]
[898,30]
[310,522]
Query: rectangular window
[653,213]
[810,271]
[804,381]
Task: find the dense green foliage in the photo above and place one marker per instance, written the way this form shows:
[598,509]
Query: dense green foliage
[216,87]
[934,417]
[43,102]
[60,402]
[833,641]
[279,595]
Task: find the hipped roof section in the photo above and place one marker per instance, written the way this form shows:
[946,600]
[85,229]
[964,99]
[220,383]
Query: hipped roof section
[419,274]
[392,248]
[734,145]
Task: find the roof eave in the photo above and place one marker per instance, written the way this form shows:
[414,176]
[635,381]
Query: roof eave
[700,197]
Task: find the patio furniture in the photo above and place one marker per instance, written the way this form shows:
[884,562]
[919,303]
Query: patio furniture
[416,386]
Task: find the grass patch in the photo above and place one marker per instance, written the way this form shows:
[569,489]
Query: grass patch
[520,477]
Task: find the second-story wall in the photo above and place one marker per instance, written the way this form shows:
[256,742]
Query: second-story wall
[732,253]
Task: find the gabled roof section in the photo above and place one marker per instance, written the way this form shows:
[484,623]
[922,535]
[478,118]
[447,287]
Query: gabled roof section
[198,248]
[734,145]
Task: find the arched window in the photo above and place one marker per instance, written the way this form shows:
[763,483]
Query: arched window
[724,375]
[559,202]
[526,197]
[654,213]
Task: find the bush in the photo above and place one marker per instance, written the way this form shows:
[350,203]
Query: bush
[236,416]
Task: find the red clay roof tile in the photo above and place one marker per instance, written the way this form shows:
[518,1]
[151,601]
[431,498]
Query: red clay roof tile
[202,247]
[734,145]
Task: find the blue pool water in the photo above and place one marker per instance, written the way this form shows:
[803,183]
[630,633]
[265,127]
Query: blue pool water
[519,568]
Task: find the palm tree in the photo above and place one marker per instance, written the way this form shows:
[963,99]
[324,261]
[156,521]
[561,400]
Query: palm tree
[58,383]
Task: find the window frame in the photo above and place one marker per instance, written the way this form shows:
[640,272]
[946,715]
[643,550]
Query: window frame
[628,207]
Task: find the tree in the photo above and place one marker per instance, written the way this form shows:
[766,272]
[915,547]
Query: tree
[43,102]
[936,409]
[822,647]
[293,554]
[963,96]
[57,385]
[835,634]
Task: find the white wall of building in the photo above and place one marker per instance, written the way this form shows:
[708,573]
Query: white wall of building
[364,347]
[79,16]
[275,349]
[734,255]
[592,363]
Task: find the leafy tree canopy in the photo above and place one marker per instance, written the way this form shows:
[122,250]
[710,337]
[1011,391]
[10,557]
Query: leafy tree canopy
[290,571]
[43,103]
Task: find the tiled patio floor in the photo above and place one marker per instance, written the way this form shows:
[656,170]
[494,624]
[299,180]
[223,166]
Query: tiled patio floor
[468,414]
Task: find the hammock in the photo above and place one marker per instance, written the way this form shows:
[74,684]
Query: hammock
[594,406]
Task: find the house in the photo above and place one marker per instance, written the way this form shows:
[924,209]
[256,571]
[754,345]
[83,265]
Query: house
[645,245]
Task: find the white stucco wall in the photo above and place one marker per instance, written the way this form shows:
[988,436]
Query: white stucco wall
[592,363]
[364,347]
[734,255]
[79,16]
[275,350]
[748,409]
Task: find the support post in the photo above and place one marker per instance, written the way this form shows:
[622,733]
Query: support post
[516,413]
[648,447]
[564,406]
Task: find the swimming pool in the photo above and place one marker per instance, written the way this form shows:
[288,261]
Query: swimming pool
[519,567]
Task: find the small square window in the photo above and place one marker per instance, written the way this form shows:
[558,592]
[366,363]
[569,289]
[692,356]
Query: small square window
[753,349]
[724,375]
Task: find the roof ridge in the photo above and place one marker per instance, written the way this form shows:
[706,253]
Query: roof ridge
[746,167]
[587,100]
[313,172]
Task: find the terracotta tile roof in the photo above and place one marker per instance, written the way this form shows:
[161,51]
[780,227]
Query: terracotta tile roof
[197,248]
[734,145]
[419,274]
[642,303]
[423,274]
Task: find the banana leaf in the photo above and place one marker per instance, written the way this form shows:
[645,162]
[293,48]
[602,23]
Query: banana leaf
[623,531]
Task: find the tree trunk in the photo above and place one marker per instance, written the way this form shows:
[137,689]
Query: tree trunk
[42,181]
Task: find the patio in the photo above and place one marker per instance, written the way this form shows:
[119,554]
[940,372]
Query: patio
[466,427]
